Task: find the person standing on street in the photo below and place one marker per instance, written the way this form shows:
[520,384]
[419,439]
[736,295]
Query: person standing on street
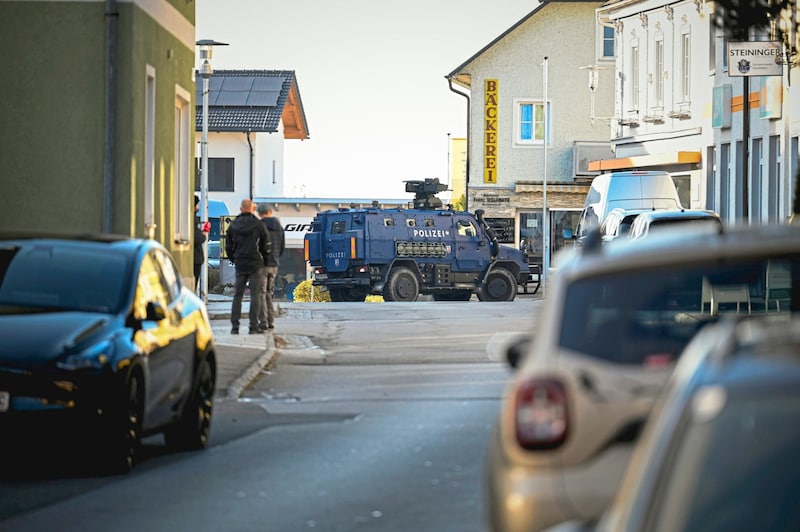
[200,236]
[276,236]
[247,245]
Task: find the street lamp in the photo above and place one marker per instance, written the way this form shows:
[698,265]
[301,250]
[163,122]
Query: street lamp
[206,52]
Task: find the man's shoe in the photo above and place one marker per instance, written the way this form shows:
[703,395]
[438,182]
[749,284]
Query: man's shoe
[234,330]
[257,330]
[270,326]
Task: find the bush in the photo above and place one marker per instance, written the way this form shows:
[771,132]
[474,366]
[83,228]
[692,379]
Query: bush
[302,293]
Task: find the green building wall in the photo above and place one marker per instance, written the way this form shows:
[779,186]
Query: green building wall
[52,117]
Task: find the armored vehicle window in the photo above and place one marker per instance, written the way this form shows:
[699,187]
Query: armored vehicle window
[429,222]
[338,228]
[388,222]
[465,228]
[411,222]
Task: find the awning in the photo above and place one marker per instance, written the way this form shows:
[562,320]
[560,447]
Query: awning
[641,161]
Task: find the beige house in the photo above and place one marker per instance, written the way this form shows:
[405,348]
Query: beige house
[535,121]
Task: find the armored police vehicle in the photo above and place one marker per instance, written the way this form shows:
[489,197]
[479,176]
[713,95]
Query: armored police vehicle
[402,253]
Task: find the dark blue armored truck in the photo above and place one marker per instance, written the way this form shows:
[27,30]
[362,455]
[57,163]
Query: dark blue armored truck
[402,253]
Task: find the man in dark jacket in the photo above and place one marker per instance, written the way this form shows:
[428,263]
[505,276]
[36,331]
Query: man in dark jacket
[247,245]
[276,237]
[200,235]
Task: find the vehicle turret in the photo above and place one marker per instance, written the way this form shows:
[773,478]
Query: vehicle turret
[425,193]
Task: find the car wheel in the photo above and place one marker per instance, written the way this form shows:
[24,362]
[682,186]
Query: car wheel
[499,285]
[402,285]
[119,447]
[191,432]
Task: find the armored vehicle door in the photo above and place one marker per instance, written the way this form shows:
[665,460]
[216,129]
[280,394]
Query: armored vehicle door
[342,242]
[470,247]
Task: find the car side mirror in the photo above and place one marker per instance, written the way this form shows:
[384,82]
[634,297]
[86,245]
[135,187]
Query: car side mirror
[155,311]
[509,346]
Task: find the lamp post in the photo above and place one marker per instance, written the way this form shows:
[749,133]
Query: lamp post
[206,51]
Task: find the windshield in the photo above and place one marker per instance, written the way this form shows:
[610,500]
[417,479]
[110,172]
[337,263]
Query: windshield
[60,277]
[648,316]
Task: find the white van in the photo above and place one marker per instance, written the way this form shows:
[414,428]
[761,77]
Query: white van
[626,190]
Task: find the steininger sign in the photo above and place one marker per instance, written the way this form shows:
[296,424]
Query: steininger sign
[755,58]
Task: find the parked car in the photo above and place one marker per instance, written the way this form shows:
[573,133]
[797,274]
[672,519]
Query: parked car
[614,323]
[213,254]
[674,219]
[618,223]
[626,190]
[720,450]
[103,344]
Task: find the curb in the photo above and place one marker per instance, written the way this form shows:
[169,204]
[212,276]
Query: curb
[250,373]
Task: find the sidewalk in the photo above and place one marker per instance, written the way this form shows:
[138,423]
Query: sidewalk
[240,357]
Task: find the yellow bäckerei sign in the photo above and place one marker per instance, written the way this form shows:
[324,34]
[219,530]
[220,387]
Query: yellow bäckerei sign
[490,132]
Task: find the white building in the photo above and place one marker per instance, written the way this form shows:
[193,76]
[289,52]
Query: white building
[681,109]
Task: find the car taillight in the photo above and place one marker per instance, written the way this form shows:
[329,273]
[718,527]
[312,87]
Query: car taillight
[319,270]
[540,414]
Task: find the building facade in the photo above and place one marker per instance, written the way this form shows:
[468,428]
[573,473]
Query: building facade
[534,123]
[96,119]
[729,139]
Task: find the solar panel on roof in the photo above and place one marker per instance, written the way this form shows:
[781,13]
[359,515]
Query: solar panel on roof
[232,98]
[268,84]
[263,98]
[244,83]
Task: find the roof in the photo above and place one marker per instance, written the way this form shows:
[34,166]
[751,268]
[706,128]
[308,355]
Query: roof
[253,101]
[465,78]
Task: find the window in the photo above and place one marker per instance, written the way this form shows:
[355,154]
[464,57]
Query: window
[608,41]
[724,52]
[149,152]
[466,228]
[725,184]
[530,126]
[658,73]
[686,53]
[171,278]
[149,288]
[774,177]
[712,45]
[220,174]
[183,202]
[756,178]
[635,77]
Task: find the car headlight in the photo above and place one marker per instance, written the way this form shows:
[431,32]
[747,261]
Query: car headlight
[95,357]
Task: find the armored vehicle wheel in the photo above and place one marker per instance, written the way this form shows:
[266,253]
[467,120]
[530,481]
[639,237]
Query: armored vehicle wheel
[456,295]
[348,294]
[402,285]
[499,285]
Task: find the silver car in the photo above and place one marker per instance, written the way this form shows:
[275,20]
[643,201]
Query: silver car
[719,451]
[614,323]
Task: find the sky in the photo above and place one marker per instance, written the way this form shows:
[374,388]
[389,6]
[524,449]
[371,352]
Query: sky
[371,76]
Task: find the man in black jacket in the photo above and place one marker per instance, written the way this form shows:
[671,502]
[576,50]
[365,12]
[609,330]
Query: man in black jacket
[247,245]
[276,237]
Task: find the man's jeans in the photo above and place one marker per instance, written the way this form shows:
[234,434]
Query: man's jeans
[256,282]
[268,309]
